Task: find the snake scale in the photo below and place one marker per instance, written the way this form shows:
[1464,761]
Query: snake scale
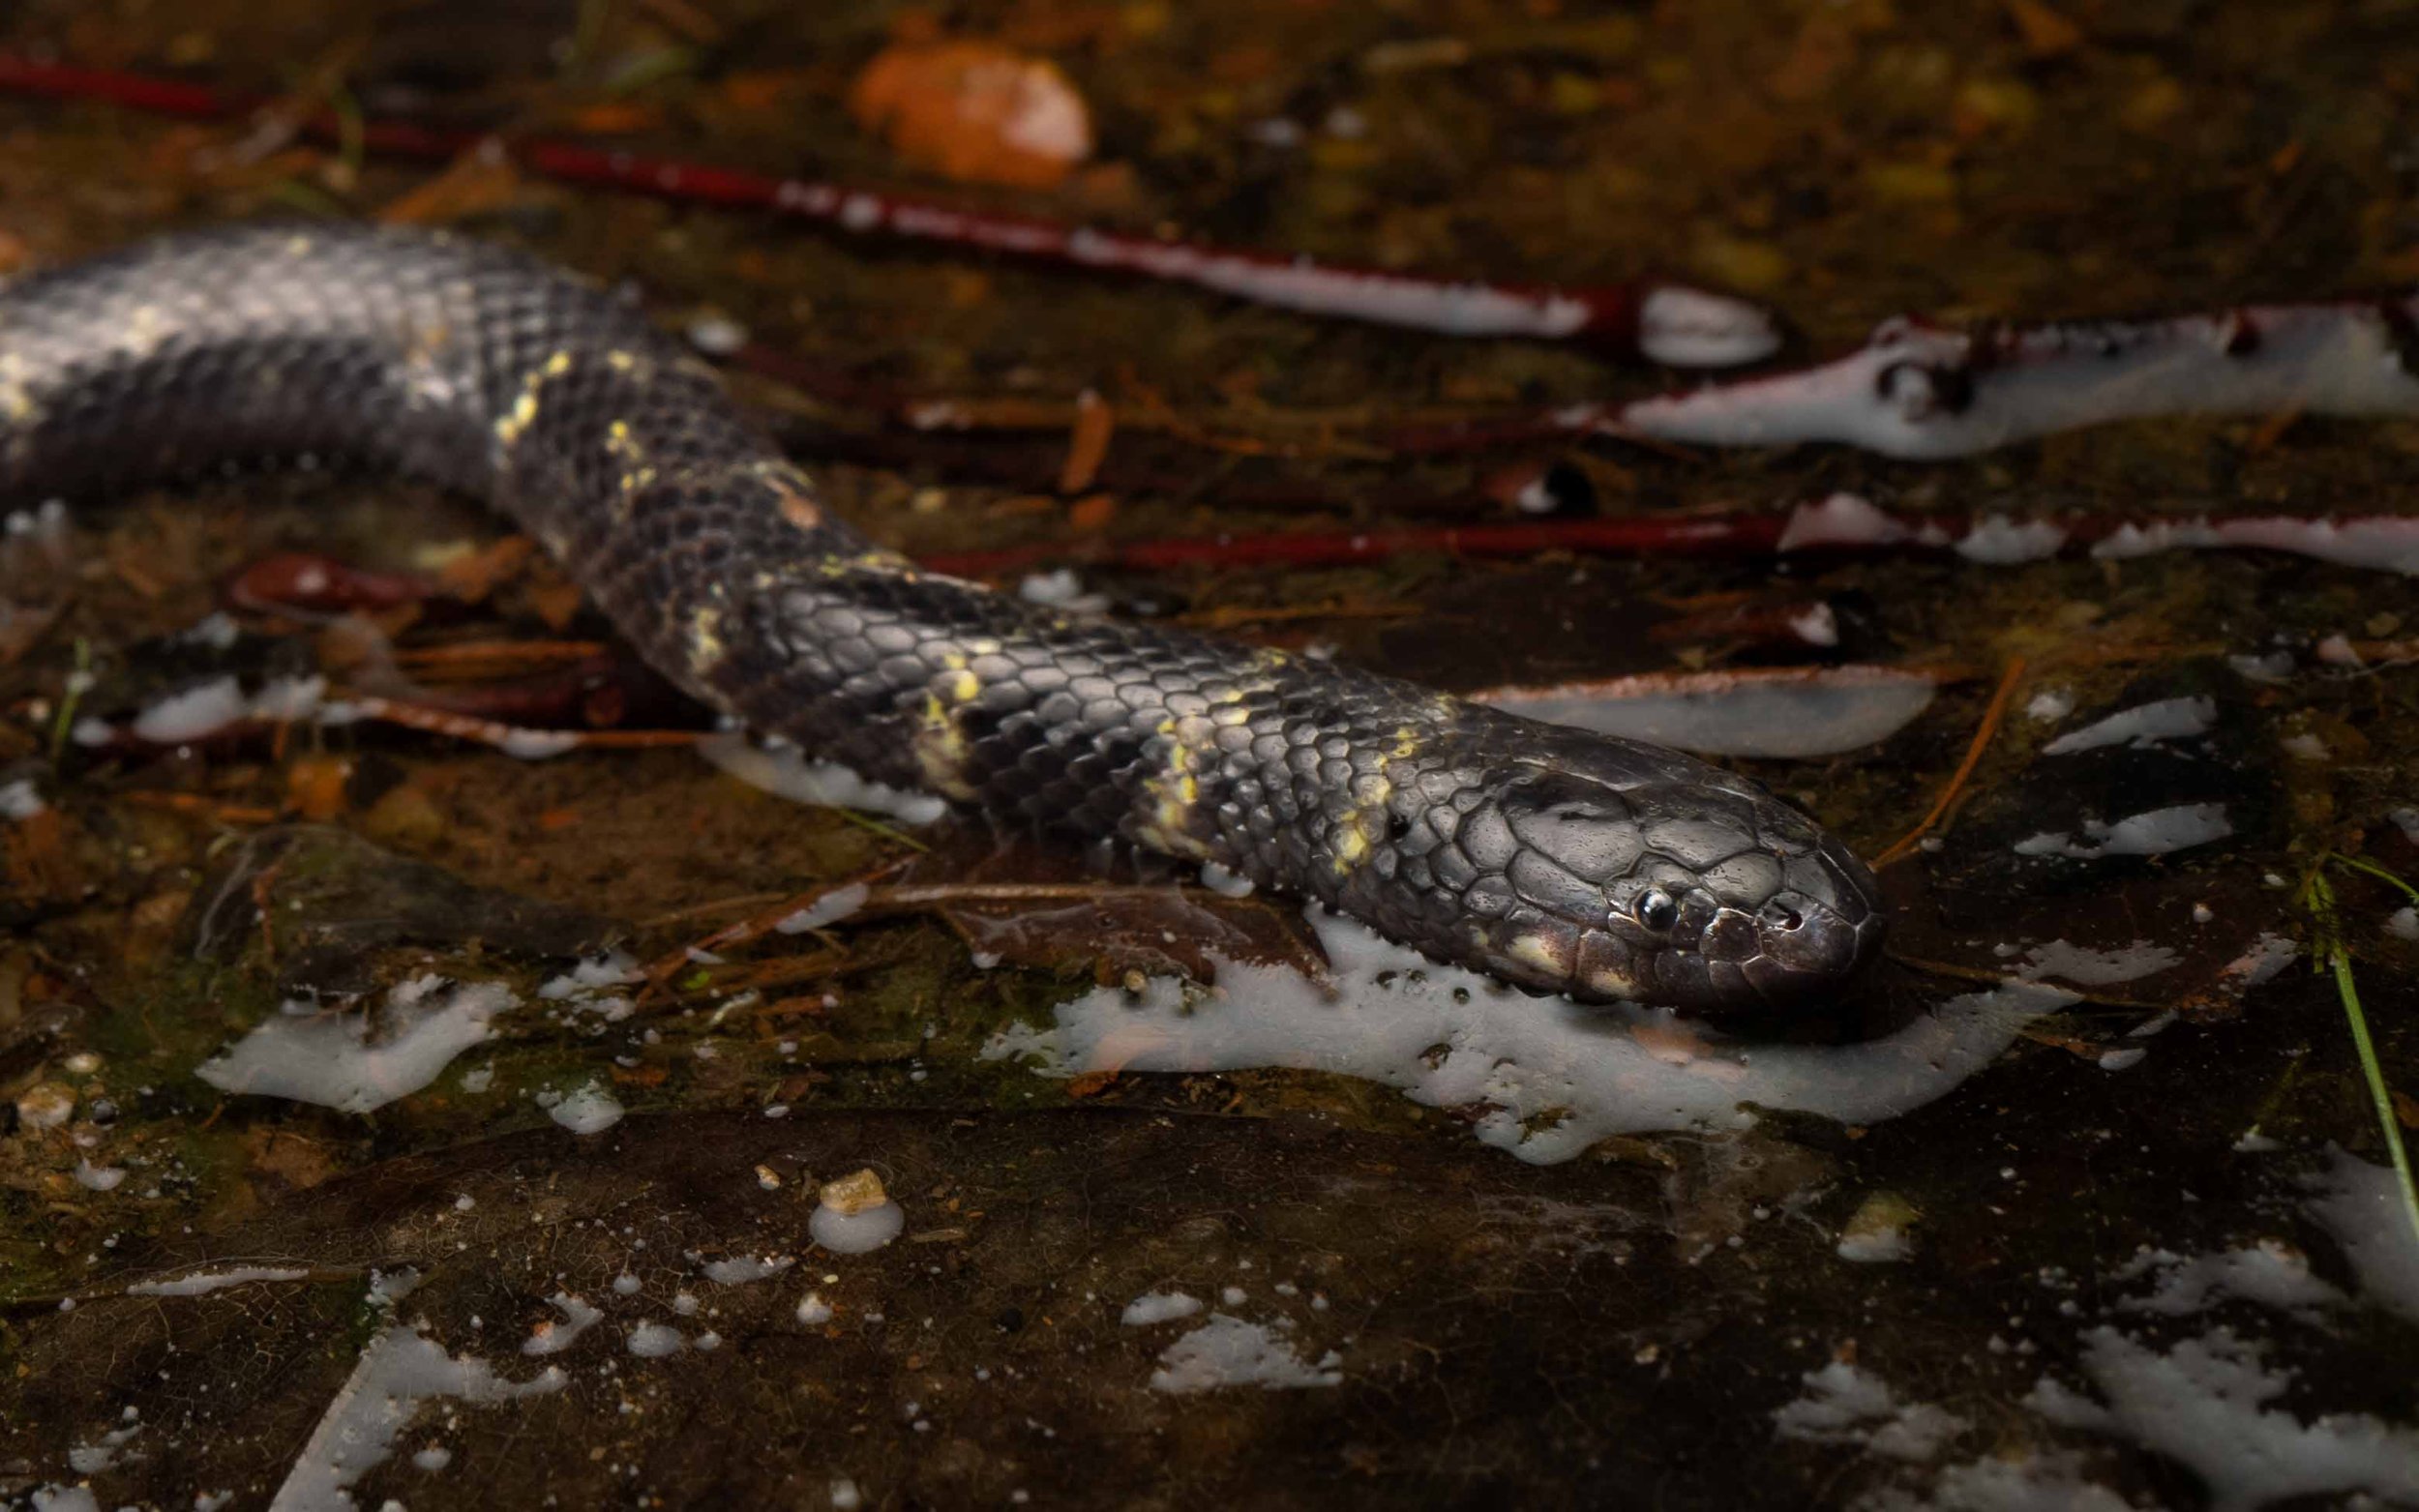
[1551,858]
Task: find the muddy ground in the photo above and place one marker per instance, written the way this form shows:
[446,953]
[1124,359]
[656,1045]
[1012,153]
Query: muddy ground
[1439,1322]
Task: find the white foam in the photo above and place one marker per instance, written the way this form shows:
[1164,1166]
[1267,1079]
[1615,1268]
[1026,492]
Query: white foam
[1839,520]
[1229,1351]
[592,974]
[549,1337]
[201,1283]
[586,1109]
[717,335]
[787,773]
[855,1234]
[2361,1205]
[2049,1482]
[2377,543]
[2155,833]
[399,1371]
[2205,1402]
[1817,626]
[2085,967]
[1233,884]
[1874,1246]
[1690,328]
[739,1270]
[284,699]
[20,800]
[1788,713]
[2145,725]
[2269,1272]
[1996,541]
[1555,1076]
[1158,1307]
[331,1058]
[829,908]
[1461,309]
[1844,1404]
[91,1459]
[1916,390]
[654,1340]
[1058,585]
[213,630]
[193,713]
[538,745]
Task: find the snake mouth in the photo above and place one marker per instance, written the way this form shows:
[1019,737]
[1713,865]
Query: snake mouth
[1799,948]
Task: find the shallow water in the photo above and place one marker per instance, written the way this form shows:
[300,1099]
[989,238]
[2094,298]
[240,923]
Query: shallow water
[2080,1202]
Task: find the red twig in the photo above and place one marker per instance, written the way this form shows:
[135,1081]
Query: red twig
[1841,524]
[1717,535]
[1706,330]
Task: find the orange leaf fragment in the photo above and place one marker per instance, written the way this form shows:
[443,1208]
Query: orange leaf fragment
[615,118]
[1090,1083]
[1088,444]
[314,785]
[768,92]
[474,573]
[975,112]
[479,182]
[2047,34]
[1092,512]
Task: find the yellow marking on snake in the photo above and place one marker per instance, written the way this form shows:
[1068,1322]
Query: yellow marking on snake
[1613,984]
[145,329]
[939,744]
[1352,844]
[1538,951]
[1175,790]
[524,410]
[1357,829]
[705,641]
[16,399]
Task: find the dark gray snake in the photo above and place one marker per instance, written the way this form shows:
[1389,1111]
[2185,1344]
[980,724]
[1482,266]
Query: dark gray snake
[1548,857]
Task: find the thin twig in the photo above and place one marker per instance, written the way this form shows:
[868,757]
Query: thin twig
[1989,726]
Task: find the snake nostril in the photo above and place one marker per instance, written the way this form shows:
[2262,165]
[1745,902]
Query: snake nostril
[1781,916]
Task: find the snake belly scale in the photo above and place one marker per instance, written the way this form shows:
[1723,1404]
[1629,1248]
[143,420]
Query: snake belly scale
[1552,858]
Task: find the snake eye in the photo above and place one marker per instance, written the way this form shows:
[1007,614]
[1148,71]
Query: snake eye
[1654,910]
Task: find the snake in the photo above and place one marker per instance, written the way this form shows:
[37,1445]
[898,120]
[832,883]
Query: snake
[1552,859]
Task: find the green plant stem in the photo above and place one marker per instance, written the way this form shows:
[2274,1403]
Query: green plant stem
[2341,961]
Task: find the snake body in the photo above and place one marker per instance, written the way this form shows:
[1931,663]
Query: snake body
[1551,858]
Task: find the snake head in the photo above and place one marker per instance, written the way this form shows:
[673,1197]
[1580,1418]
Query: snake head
[1693,889]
